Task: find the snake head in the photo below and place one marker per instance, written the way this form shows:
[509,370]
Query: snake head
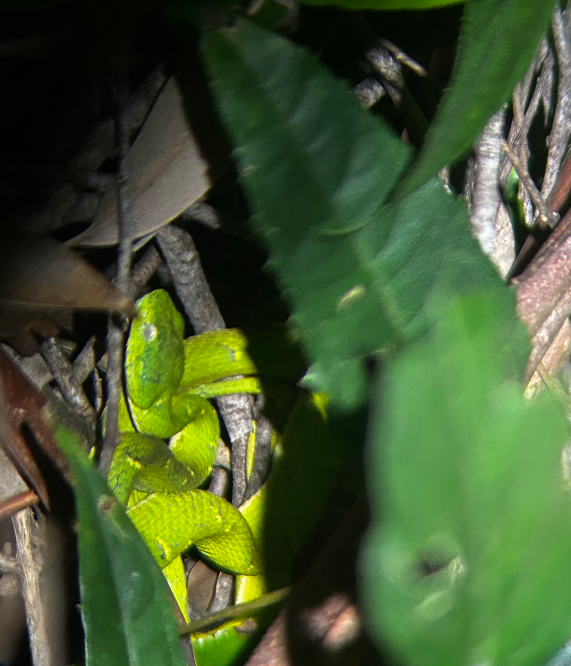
[154,362]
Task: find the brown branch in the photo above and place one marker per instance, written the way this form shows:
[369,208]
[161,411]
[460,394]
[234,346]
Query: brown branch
[144,269]
[61,370]
[486,193]
[390,73]
[202,310]
[30,539]
[540,286]
[552,361]
[400,56]
[548,332]
[12,505]
[546,216]
[561,127]
[517,137]
[116,332]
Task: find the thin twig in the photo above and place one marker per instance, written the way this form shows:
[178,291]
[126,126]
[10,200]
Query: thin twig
[560,191]
[400,56]
[486,195]
[12,505]
[504,252]
[220,478]
[29,540]
[522,89]
[547,278]
[213,621]
[84,362]
[61,370]
[199,304]
[85,365]
[547,332]
[561,127]
[144,269]
[190,282]
[545,215]
[97,384]
[123,204]
[552,361]
[115,333]
[517,137]
[389,70]
[263,452]
[556,201]
[236,411]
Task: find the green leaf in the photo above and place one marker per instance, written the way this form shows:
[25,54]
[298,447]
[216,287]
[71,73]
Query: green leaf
[317,169]
[126,612]
[471,533]
[384,4]
[497,42]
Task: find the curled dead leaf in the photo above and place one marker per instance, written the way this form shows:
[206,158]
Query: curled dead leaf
[165,173]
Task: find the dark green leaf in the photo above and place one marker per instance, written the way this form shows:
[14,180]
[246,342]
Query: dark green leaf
[470,542]
[317,169]
[497,42]
[126,612]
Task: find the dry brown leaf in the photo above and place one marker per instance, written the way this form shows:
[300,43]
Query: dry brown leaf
[38,276]
[165,173]
[22,403]
[15,402]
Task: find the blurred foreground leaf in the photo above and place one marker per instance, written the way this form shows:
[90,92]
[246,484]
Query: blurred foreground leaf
[37,276]
[127,615]
[317,169]
[468,555]
[497,43]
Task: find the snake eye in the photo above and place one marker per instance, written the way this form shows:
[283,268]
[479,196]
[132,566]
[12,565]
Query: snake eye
[150,332]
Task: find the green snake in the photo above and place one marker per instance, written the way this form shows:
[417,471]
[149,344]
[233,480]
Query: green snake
[169,380]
